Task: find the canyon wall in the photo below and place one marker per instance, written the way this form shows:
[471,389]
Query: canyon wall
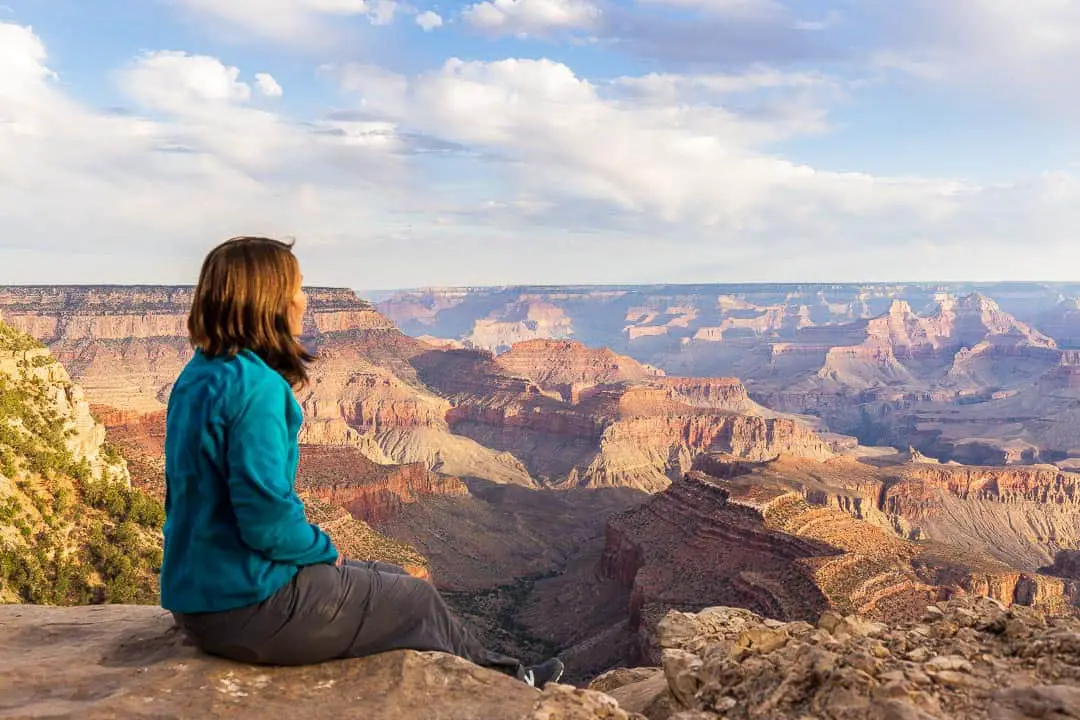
[971,372]
[371,492]
[752,543]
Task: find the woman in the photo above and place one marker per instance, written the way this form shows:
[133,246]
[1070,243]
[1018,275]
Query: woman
[244,573]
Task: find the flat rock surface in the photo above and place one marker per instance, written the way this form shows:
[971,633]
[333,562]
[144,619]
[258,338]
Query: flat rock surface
[132,662]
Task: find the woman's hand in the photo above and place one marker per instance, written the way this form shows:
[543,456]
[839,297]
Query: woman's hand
[341,560]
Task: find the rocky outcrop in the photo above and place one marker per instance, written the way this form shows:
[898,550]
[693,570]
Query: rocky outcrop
[527,318]
[71,528]
[131,662]
[967,658]
[569,368]
[638,434]
[754,541]
[36,375]
[371,492]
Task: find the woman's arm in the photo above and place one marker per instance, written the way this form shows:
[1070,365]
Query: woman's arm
[270,515]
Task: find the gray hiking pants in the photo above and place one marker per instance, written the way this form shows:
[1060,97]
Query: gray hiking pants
[328,612]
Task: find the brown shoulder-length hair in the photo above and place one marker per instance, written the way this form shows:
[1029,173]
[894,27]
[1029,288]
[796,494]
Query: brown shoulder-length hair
[242,303]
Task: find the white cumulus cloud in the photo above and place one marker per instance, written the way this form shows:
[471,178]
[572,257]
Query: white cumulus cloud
[429,20]
[169,80]
[482,171]
[268,86]
[195,165]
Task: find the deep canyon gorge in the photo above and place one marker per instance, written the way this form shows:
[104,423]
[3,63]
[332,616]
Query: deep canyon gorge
[566,496]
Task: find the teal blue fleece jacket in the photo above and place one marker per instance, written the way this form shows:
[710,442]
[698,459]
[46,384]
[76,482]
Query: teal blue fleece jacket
[235,531]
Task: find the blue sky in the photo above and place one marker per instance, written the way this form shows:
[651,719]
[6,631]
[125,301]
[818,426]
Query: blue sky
[542,141]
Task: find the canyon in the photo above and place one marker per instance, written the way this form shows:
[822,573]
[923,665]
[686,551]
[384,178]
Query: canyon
[979,373]
[566,498]
[550,414]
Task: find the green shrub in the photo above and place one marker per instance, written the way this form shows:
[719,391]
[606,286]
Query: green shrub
[99,540]
[9,510]
[123,503]
[14,341]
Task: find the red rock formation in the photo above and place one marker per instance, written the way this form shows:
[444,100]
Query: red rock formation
[751,542]
[141,440]
[568,368]
[718,393]
[567,414]
[370,492]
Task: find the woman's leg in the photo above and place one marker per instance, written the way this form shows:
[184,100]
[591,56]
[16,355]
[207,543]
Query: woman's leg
[329,612]
[376,565]
[403,612]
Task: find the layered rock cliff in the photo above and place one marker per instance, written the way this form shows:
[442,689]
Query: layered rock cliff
[753,541]
[1021,515]
[962,372]
[343,476]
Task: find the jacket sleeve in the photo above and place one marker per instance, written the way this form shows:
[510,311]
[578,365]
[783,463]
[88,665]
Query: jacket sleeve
[269,514]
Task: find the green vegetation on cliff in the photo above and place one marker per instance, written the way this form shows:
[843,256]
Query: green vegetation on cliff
[11,340]
[71,531]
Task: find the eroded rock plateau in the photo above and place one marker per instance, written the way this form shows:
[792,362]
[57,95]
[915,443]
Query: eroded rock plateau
[979,373]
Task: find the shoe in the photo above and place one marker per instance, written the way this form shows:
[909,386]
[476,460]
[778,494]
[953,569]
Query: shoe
[540,675]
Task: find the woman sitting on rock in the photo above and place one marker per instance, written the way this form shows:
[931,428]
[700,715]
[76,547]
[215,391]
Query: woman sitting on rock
[245,574]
